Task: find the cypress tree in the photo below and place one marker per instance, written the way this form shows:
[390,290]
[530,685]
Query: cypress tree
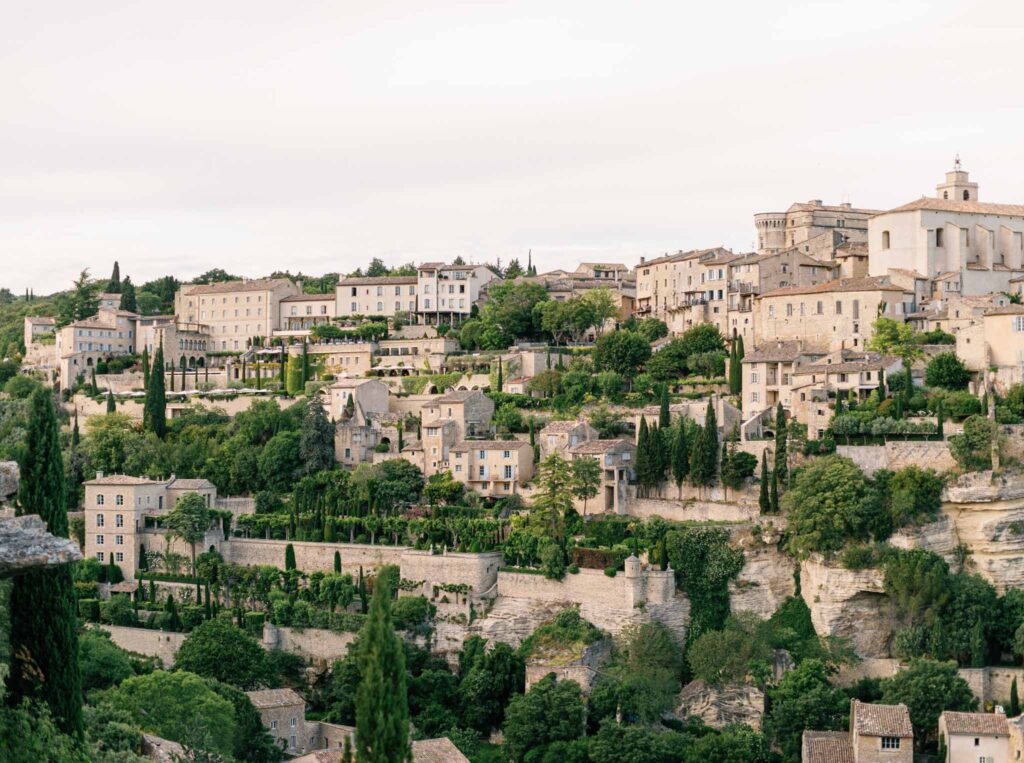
[111,405]
[739,350]
[114,284]
[664,416]
[43,640]
[1014,699]
[305,363]
[337,562]
[207,605]
[289,557]
[128,301]
[145,368]
[763,500]
[316,443]
[774,497]
[363,602]
[76,437]
[152,590]
[382,712]
[172,622]
[92,382]
[501,378]
[401,437]
[143,564]
[940,415]
[154,412]
[704,455]
[735,374]
[680,455]
[643,455]
[881,385]
[781,465]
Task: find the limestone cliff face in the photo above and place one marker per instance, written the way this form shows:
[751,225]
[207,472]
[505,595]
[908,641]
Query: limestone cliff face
[985,515]
[767,578]
[849,604]
[722,705]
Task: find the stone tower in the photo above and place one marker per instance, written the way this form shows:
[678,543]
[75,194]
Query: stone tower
[957,186]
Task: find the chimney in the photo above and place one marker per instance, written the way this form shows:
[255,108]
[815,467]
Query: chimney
[99,475]
[298,285]
[643,260]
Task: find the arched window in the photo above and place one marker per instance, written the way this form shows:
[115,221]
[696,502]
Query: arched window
[967,195]
[885,239]
[945,194]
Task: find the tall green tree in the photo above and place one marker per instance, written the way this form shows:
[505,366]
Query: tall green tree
[114,284]
[382,710]
[289,557]
[763,499]
[154,410]
[735,369]
[128,301]
[111,405]
[44,644]
[680,454]
[316,446]
[78,304]
[145,368]
[664,415]
[586,479]
[704,457]
[189,521]
[781,460]
[553,499]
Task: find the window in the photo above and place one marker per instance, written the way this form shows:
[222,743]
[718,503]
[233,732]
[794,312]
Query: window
[458,468]
[118,540]
[118,557]
[99,520]
[99,500]
[885,239]
[938,237]
[506,454]
[1018,323]
[294,722]
[99,555]
[890,743]
[481,471]
[820,308]
[967,195]
[99,540]
[755,397]
[753,377]
[273,725]
[119,500]
[119,520]
[482,454]
[839,307]
[508,472]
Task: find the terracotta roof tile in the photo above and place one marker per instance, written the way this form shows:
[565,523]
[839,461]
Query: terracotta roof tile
[226,287]
[976,723]
[827,747]
[951,205]
[595,447]
[882,720]
[267,698]
[873,283]
[378,281]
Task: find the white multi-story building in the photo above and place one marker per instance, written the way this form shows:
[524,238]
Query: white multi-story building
[447,292]
[376,297]
[952,237]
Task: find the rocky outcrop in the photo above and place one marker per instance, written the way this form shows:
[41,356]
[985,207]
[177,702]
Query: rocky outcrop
[720,705]
[767,578]
[982,515]
[849,604]
[9,480]
[25,544]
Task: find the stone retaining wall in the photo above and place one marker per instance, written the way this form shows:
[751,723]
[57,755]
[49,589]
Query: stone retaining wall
[317,644]
[692,510]
[927,454]
[162,644]
[310,556]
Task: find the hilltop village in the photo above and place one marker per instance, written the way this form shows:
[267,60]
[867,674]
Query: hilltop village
[709,506]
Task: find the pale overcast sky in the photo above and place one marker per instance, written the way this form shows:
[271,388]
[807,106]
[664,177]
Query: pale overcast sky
[313,136]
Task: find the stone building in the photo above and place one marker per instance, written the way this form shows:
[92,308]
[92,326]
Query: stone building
[661,282]
[301,312]
[616,458]
[974,737]
[234,311]
[981,244]
[878,734]
[834,314]
[470,409]
[80,345]
[995,342]
[560,436]
[283,712]
[768,374]
[447,293]
[376,297]
[117,507]
[812,227]
[493,468]
[367,395]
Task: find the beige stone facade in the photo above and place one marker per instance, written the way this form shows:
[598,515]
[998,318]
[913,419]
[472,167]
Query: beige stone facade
[492,468]
[559,436]
[116,507]
[82,344]
[616,459]
[878,734]
[471,410]
[996,343]
[834,314]
[378,297]
[982,244]
[301,312]
[447,293]
[974,737]
[234,311]
[812,227]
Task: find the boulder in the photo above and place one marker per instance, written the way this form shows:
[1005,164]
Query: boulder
[721,705]
[25,544]
[8,480]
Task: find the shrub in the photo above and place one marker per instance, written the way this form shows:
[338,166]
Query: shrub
[946,370]
[254,622]
[89,609]
[610,571]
